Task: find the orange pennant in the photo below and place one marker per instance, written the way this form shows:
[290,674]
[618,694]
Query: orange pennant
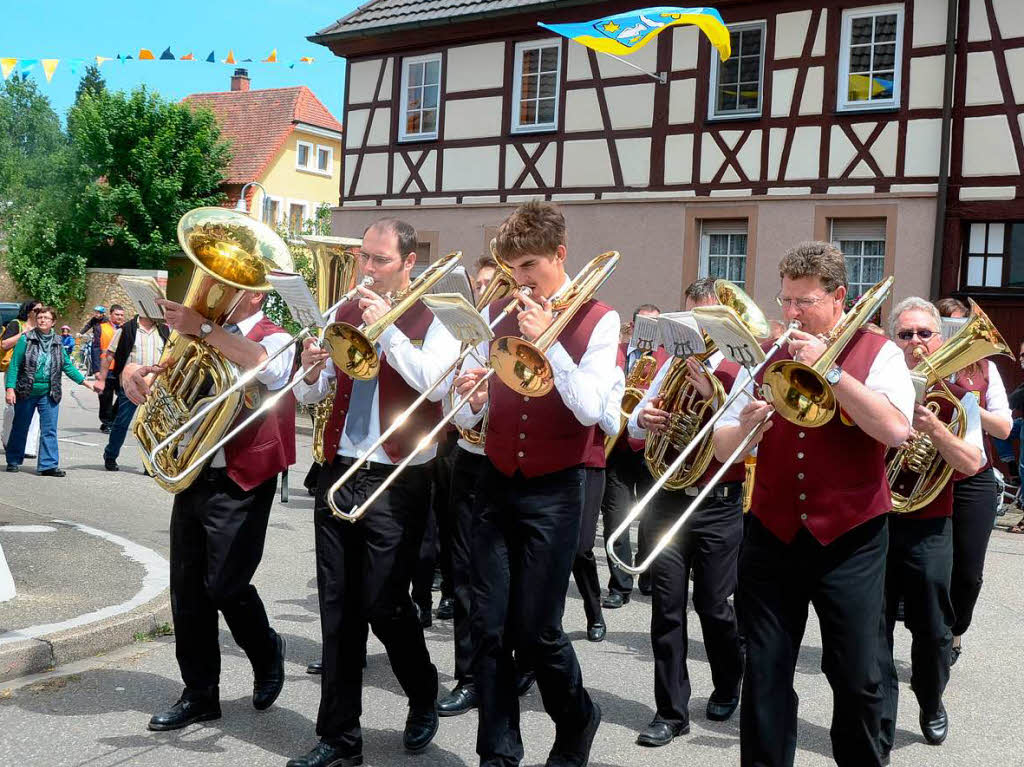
[271,58]
[187,57]
[49,67]
[231,58]
[145,53]
[306,59]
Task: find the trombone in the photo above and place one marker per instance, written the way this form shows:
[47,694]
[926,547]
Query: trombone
[586,284]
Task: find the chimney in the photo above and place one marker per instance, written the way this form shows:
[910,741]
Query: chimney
[240,80]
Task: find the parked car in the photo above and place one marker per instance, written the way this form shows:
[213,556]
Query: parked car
[8,311]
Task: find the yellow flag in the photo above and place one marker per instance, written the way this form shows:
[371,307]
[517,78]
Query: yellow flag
[271,58]
[231,57]
[49,67]
[145,53]
[6,65]
[101,59]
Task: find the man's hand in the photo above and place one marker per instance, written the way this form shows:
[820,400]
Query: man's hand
[136,381]
[184,319]
[97,385]
[926,422]
[467,381]
[534,318]
[652,417]
[314,359]
[752,415]
[805,348]
[697,374]
[374,306]
[10,397]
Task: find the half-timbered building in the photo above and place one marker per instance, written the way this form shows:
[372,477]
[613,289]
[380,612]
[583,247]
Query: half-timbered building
[831,120]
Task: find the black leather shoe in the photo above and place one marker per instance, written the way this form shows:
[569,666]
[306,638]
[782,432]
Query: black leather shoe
[615,600]
[954,655]
[316,667]
[596,631]
[446,609]
[191,708]
[659,733]
[720,709]
[55,472]
[574,749]
[458,701]
[935,727]
[525,682]
[110,464]
[326,755]
[105,428]
[423,613]
[420,729]
[267,686]
[12,468]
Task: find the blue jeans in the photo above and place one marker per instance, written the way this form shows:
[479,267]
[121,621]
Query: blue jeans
[23,409]
[125,411]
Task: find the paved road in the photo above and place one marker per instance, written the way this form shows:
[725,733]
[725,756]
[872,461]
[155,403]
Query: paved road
[94,713]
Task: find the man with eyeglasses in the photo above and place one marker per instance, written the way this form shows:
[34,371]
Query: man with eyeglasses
[818,532]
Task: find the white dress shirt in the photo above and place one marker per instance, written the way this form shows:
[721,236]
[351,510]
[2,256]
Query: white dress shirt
[612,417]
[636,431]
[995,398]
[419,367]
[972,411]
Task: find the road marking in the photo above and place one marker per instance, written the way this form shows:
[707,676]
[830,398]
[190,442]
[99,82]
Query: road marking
[27,529]
[153,582]
[76,442]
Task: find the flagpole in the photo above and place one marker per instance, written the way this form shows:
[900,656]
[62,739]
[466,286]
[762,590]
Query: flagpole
[661,77]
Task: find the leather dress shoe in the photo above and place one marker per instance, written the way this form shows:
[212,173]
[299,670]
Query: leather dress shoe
[720,709]
[458,701]
[525,682]
[659,733]
[935,728]
[446,609]
[615,600]
[326,755]
[423,614]
[420,728]
[316,667]
[596,631]
[110,464]
[54,472]
[573,750]
[267,686]
[12,468]
[191,707]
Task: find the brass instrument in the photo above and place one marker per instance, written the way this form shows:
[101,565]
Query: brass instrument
[687,409]
[749,473]
[232,254]
[917,461]
[637,381]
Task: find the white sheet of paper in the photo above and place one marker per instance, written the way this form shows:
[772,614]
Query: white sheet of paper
[458,315]
[456,281]
[730,335]
[645,333]
[679,334]
[293,289]
[143,291]
[950,326]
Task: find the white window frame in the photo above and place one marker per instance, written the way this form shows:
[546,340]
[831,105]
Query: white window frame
[716,64]
[834,239]
[843,104]
[995,236]
[287,214]
[517,84]
[330,160]
[280,204]
[309,154]
[404,101]
[709,227]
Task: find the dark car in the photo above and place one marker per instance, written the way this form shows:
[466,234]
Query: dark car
[8,312]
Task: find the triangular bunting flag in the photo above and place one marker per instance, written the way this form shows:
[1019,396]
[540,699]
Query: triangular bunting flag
[231,57]
[291,65]
[272,58]
[167,55]
[244,61]
[75,64]
[211,58]
[187,57]
[145,54]
[6,65]
[49,67]
[306,59]
[27,65]
[100,60]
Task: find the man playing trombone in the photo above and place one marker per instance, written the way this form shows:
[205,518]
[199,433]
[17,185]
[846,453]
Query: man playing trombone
[530,495]
[364,569]
[818,533]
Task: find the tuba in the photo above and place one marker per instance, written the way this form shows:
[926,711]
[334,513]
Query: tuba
[232,254]
[638,380]
[334,264]
[688,410]
[916,471]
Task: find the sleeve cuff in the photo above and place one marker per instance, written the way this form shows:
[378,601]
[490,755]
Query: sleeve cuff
[561,362]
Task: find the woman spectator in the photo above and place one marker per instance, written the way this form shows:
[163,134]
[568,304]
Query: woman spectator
[24,321]
[34,385]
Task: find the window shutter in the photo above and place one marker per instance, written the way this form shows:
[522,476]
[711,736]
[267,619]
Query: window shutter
[724,226]
[858,229]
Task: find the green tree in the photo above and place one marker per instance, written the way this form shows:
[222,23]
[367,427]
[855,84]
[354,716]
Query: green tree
[92,83]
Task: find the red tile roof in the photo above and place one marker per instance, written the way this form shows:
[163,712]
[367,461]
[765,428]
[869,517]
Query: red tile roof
[259,121]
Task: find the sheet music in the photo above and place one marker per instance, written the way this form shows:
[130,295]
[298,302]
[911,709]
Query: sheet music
[144,291]
[920,385]
[456,281]
[458,315]
[679,334]
[645,333]
[293,289]
[730,335]
[951,325]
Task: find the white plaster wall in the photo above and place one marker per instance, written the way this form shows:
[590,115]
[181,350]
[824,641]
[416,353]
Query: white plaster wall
[582,111]
[982,82]
[681,98]
[472,118]
[790,32]
[925,83]
[635,161]
[631,106]
[929,23]
[373,175]
[472,67]
[988,148]
[470,168]
[923,144]
[363,80]
[586,163]
[380,129]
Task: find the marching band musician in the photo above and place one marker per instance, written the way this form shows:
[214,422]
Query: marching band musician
[219,523]
[364,569]
[920,554]
[975,498]
[530,498]
[818,533]
[709,546]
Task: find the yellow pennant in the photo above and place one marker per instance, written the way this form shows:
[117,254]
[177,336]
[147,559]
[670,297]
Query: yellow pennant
[231,57]
[6,65]
[145,53]
[49,67]
[306,59]
[271,58]
[101,59]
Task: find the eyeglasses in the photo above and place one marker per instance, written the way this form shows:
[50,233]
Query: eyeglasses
[924,334]
[802,304]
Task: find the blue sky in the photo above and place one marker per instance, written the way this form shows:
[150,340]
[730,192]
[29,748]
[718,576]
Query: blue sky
[64,29]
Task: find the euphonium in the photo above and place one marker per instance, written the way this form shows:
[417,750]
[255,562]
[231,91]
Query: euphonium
[917,462]
[637,382]
[232,254]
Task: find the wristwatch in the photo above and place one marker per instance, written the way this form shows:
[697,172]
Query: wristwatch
[833,375]
[205,329]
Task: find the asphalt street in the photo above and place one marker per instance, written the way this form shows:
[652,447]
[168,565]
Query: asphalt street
[94,712]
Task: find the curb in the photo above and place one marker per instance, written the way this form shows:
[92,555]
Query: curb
[34,656]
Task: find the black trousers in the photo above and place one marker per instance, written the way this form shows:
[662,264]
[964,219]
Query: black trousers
[584,566]
[974,515]
[917,569]
[435,549]
[466,468]
[627,479]
[524,539]
[217,535]
[845,582]
[108,408]
[708,545]
[363,573]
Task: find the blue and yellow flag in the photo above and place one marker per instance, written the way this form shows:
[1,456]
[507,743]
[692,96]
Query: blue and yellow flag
[624,33]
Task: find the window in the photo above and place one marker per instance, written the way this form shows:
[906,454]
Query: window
[862,241]
[271,211]
[736,82]
[535,86]
[994,256]
[324,159]
[869,58]
[723,250]
[303,152]
[296,217]
[421,88]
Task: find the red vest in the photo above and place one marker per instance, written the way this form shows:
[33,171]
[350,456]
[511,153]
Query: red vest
[660,357]
[726,373]
[942,506]
[540,435]
[266,447]
[394,394]
[978,382]
[829,479]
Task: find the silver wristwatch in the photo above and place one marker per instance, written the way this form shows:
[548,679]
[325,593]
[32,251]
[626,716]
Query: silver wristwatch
[205,329]
[833,375]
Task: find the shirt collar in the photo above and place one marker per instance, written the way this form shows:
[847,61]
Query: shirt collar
[246,325]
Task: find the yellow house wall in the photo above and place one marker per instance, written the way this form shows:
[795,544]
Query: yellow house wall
[289,184]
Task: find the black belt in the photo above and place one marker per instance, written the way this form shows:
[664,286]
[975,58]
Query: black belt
[371,466]
[722,490]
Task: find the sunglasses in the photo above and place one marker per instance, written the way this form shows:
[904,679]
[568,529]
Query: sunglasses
[924,334]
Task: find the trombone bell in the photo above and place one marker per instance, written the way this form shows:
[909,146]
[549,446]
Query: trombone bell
[351,351]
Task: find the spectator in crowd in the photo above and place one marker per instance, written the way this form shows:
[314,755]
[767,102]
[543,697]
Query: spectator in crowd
[107,375]
[486,266]
[34,385]
[11,334]
[99,316]
[67,339]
